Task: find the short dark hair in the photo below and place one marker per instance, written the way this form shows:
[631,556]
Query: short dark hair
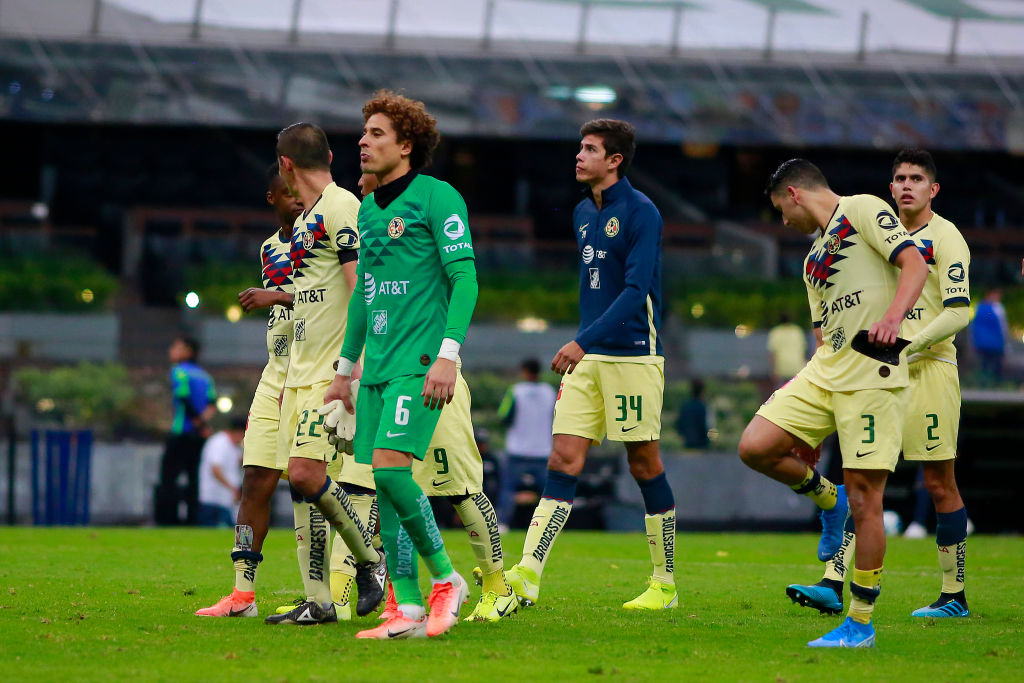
[306,145]
[532,366]
[411,121]
[619,137]
[192,343]
[272,173]
[917,157]
[797,172]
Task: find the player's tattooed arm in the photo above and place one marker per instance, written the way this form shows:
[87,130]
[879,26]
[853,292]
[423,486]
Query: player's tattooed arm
[255,298]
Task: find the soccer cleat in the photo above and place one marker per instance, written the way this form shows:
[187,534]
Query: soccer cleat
[832,523]
[945,606]
[306,613]
[657,596]
[821,597]
[390,605]
[370,579]
[344,612]
[446,599]
[493,607]
[849,634]
[525,583]
[915,530]
[238,604]
[398,626]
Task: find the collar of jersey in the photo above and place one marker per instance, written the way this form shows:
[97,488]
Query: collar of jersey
[612,193]
[385,194]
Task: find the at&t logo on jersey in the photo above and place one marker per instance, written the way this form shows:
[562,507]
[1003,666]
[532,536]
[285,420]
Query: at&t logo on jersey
[611,228]
[379,320]
[396,227]
[369,288]
[454,228]
[588,254]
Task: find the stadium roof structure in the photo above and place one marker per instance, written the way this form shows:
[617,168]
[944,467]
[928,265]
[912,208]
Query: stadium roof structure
[944,73]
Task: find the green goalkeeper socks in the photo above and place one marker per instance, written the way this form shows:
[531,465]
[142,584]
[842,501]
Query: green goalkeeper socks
[412,507]
[403,565]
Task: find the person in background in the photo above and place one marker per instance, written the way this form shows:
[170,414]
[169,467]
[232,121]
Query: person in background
[988,333]
[787,343]
[193,395]
[220,475]
[528,410]
[694,420]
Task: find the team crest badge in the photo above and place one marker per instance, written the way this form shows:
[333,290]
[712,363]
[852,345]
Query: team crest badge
[396,227]
[834,244]
[307,240]
[611,228]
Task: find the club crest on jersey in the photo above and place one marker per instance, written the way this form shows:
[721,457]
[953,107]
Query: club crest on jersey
[308,240]
[611,228]
[588,254]
[886,220]
[957,272]
[834,244]
[454,228]
[380,322]
[396,227]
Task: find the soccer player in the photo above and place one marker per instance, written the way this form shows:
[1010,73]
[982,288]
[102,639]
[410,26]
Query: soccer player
[614,370]
[261,469]
[851,286]
[323,254]
[419,290]
[453,469]
[933,398]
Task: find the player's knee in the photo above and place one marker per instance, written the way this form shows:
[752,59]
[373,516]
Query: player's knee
[306,480]
[565,461]
[754,451]
[645,468]
[865,502]
[940,488]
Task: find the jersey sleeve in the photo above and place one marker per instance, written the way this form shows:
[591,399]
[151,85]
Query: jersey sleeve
[449,223]
[341,225]
[953,262]
[355,329]
[880,227]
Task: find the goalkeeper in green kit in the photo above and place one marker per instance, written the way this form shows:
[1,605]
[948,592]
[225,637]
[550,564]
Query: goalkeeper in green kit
[418,273]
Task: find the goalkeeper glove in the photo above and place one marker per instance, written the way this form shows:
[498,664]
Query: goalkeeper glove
[339,424]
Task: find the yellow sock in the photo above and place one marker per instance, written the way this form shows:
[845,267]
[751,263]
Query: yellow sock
[864,590]
[481,523]
[312,538]
[952,560]
[661,539]
[343,564]
[548,520]
[835,569]
[817,488]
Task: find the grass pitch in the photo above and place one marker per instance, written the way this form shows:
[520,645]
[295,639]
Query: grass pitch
[116,604]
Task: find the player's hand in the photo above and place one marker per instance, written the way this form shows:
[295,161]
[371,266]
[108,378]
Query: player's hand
[439,385]
[884,332]
[339,423]
[343,389]
[255,298]
[567,358]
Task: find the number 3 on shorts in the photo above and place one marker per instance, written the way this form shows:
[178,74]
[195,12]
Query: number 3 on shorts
[401,412]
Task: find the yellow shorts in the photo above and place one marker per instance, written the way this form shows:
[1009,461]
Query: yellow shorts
[452,465]
[302,432]
[260,445]
[869,421]
[620,397]
[933,411]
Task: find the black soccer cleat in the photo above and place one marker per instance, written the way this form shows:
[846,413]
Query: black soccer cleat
[370,580]
[306,613]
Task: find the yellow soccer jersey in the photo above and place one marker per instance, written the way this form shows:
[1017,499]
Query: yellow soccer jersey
[949,260]
[850,285]
[325,236]
[277,275]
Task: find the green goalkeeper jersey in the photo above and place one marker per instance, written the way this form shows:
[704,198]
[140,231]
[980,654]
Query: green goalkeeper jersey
[412,231]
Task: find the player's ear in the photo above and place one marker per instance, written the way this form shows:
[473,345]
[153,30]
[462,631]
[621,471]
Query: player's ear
[270,197]
[934,190]
[614,161]
[793,193]
[330,157]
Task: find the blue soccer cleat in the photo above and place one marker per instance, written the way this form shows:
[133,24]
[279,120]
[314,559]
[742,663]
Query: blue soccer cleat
[822,598]
[849,634]
[945,606]
[832,523]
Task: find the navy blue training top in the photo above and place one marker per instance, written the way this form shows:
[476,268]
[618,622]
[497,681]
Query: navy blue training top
[620,273]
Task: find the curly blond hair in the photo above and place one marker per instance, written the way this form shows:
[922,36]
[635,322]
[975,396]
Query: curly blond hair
[411,122]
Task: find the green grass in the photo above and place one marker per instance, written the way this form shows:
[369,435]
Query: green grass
[116,604]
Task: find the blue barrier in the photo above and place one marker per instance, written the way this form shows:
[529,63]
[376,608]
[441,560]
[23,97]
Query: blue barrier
[60,482]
